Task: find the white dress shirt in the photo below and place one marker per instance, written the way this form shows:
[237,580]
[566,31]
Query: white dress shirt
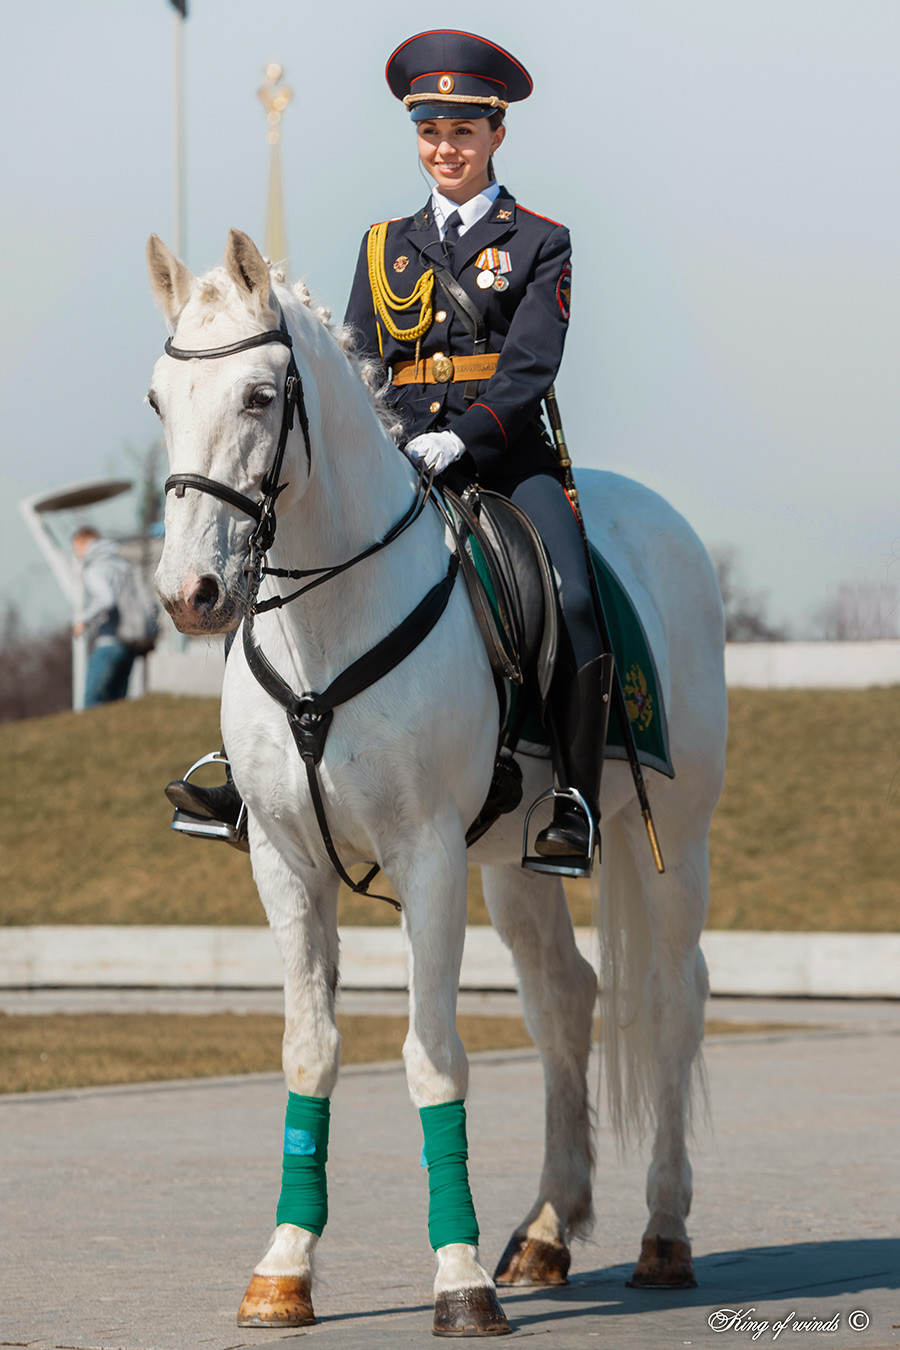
[469,213]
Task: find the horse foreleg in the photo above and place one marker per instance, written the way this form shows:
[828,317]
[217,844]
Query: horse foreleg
[305,930]
[676,990]
[433,888]
[558,989]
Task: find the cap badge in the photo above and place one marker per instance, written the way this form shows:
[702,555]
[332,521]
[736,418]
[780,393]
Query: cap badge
[445,84]
[402,263]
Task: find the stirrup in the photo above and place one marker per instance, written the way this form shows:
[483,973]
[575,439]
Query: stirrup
[201,827]
[563,864]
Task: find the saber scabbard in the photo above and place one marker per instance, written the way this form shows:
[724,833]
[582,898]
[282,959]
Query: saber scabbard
[640,787]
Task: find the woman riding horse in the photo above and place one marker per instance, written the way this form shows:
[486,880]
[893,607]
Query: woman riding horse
[466,305]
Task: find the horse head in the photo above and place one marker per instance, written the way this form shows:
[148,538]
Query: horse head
[225,403]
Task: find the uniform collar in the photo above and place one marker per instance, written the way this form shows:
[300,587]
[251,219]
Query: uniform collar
[501,209]
[469,213]
[489,230]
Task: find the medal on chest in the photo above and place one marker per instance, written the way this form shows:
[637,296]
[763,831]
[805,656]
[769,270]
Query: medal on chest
[492,263]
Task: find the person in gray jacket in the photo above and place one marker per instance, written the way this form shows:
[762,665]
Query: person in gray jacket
[110,659]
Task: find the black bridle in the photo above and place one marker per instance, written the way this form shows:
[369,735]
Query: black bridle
[263,512]
[309,714]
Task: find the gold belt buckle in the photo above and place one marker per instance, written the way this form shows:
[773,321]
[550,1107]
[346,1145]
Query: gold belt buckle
[442,367]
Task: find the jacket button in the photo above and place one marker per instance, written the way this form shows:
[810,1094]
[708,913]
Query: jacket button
[440,316]
[435,407]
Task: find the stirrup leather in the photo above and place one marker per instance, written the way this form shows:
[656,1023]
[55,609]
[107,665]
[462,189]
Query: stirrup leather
[201,827]
[563,864]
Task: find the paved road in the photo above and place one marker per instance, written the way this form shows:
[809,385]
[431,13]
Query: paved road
[132,1217]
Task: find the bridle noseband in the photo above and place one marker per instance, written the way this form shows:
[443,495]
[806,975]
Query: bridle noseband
[263,512]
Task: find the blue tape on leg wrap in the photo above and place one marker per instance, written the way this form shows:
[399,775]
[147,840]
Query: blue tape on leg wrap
[304,1193]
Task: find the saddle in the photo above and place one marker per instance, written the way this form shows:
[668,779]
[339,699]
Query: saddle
[511,585]
[512,589]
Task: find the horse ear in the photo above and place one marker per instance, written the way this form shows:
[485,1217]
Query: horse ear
[246,267]
[171,280]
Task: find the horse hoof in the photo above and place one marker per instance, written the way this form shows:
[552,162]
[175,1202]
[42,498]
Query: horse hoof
[469,1312]
[276,1301]
[529,1261]
[665,1263]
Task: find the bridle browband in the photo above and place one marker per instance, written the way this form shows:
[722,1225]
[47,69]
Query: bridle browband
[263,512]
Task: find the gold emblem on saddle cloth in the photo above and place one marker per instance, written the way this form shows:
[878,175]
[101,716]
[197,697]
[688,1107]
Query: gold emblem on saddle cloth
[638,700]
[442,367]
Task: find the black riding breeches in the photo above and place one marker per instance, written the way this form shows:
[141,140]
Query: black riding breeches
[542,498]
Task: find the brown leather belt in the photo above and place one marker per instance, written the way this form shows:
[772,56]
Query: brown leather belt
[445,369]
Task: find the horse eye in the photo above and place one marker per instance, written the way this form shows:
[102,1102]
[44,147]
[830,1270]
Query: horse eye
[259,396]
[151,399]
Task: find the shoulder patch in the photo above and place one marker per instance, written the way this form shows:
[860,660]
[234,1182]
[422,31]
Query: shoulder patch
[564,291]
[538,215]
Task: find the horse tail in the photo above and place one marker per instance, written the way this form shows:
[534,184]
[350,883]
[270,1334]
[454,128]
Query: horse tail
[630,1040]
[625,956]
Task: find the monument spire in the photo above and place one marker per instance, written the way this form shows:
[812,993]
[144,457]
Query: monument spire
[275,97]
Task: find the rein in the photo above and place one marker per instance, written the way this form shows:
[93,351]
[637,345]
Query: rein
[310,714]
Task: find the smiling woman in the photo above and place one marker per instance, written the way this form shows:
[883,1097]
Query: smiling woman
[457,154]
[492,283]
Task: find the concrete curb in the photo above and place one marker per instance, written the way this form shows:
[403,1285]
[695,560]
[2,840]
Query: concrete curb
[813,965]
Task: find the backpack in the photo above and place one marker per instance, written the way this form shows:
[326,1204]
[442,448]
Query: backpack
[138,623]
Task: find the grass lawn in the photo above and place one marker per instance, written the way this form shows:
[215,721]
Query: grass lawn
[89,1050]
[84,1050]
[807,835]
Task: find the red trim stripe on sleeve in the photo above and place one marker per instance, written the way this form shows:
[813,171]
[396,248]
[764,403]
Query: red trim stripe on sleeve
[479,404]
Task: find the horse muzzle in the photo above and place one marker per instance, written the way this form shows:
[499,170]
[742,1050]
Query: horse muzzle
[203,606]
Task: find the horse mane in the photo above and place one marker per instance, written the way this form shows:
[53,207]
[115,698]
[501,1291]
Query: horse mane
[213,292]
[370,371]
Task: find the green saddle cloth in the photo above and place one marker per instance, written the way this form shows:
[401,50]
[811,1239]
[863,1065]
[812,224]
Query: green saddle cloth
[637,672]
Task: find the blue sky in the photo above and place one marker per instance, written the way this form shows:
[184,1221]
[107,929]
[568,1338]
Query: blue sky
[727,168]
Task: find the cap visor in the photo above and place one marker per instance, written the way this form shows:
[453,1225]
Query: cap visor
[458,112]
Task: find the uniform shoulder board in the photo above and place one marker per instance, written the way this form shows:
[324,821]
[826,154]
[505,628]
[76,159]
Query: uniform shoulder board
[393,220]
[538,215]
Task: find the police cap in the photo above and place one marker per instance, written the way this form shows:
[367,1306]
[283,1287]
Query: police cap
[445,73]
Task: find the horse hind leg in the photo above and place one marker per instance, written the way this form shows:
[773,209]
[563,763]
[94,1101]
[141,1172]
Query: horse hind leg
[558,989]
[661,1006]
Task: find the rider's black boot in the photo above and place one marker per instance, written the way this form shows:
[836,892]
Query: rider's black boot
[212,803]
[210,812]
[579,720]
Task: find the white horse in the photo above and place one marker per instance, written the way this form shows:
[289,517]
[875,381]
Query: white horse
[406,768]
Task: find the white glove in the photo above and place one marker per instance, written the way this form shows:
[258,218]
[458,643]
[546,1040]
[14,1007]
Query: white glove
[434,449]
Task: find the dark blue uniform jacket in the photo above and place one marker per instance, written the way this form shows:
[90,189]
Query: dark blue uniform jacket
[526,323]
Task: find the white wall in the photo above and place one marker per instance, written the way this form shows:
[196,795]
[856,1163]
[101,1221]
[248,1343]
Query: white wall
[197,670]
[748,665]
[812,665]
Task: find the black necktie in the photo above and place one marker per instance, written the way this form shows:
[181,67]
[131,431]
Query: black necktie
[451,230]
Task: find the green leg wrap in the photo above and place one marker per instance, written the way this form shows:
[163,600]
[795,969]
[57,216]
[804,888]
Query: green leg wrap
[451,1213]
[304,1193]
